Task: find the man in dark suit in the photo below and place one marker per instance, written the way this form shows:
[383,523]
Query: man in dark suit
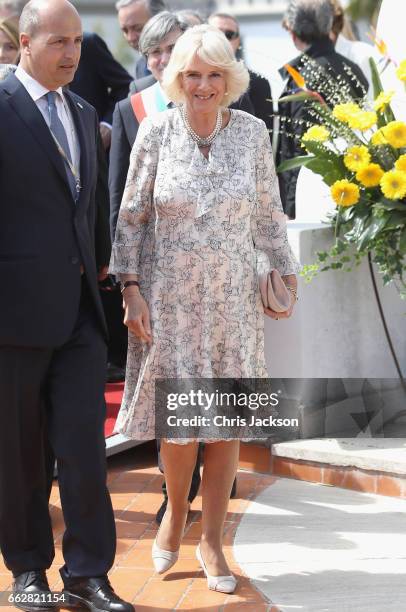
[52,328]
[101,81]
[309,25]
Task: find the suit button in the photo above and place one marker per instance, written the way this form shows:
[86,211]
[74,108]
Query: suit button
[74,260]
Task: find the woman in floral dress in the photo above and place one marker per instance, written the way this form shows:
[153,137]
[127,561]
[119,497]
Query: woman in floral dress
[201,197]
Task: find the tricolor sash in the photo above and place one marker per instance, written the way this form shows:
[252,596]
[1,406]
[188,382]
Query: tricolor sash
[149,101]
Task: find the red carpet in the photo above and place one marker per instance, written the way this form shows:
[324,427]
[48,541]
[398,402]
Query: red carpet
[113,396]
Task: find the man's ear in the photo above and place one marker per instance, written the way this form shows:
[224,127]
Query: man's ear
[25,43]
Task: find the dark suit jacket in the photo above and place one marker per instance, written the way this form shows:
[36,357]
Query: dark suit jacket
[294,115]
[44,235]
[261,97]
[125,128]
[100,79]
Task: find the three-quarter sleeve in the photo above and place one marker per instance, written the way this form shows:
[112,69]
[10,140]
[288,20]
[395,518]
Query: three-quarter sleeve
[136,210]
[268,220]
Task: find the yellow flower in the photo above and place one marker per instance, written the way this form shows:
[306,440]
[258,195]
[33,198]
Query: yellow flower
[370,175]
[342,112]
[395,134]
[362,120]
[393,184]
[356,158]
[344,193]
[317,133]
[378,138]
[401,71]
[400,163]
[383,100]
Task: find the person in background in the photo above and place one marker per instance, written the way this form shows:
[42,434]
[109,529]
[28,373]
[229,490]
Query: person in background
[101,81]
[189,17]
[9,42]
[347,44]
[259,89]
[132,16]
[309,23]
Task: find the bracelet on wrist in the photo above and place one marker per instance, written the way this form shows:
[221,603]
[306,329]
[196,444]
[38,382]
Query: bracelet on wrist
[293,291]
[129,283]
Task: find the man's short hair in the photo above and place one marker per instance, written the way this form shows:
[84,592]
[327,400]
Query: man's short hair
[310,20]
[153,6]
[223,16]
[30,18]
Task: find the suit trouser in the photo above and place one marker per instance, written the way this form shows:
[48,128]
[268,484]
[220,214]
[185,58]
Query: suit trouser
[61,389]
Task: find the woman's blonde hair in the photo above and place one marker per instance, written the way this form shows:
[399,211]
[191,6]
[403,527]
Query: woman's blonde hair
[10,29]
[212,47]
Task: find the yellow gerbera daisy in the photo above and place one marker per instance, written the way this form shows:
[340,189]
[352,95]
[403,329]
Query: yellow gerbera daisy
[395,134]
[400,163]
[370,175]
[363,120]
[378,138]
[318,133]
[393,184]
[344,193]
[342,112]
[383,100]
[356,158]
[401,71]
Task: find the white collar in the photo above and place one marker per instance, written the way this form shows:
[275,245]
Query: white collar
[163,92]
[35,89]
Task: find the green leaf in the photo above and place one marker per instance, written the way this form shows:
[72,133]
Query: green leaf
[297,97]
[376,79]
[396,219]
[371,230]
[296,162]
[402,241]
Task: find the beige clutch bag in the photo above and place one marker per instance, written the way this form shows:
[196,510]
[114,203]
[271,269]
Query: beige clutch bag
[273,290]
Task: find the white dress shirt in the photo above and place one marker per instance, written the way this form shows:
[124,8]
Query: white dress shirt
[37,93]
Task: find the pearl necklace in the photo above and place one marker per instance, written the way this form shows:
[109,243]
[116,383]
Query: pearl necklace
[199,140]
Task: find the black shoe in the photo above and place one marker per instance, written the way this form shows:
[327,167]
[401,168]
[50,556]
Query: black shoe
[96,594]
[160,514]
[114,373]
[33,592]
[233,489]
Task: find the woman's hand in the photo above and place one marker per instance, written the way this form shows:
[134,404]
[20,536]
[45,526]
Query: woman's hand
[281,315]
[291,283]
[136,314]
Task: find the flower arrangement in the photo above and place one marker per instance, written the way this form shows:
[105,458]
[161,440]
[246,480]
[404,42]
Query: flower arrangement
[359,149]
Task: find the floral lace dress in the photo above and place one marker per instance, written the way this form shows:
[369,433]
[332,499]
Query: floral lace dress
[189,227]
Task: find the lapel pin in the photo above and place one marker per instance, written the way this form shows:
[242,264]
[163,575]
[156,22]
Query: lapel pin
[79,104]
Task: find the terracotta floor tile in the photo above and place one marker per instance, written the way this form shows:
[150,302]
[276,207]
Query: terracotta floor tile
[130,529]
[129,583]
[246,607]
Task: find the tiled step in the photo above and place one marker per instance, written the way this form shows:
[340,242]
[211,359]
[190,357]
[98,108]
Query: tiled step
[371,465]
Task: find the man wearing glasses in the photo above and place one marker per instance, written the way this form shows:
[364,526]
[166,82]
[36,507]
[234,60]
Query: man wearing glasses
[259,90]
